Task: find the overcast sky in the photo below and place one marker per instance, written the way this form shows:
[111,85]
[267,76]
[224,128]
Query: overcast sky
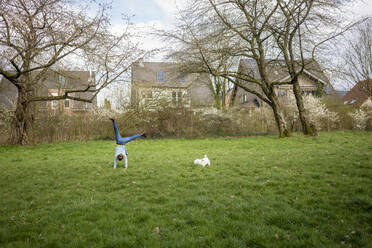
[164,10]
[146,10]
[147,14]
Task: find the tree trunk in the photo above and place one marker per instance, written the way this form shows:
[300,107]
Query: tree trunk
[217,101]
[223,103]
[307,129]
[21,128]
[279,118]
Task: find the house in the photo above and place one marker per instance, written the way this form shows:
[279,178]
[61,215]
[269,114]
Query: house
[154,83]
[54,84]
[311,81]
[360,95]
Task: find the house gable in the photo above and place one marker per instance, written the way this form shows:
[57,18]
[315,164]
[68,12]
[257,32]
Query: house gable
[310,75]
[357,95]
[309,81]
[166,83]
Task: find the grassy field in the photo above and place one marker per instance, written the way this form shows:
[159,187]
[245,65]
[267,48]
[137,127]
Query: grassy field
[258,192]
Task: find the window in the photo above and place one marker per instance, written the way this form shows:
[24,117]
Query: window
[177,97]
[308,92]
[160,76]
[244,98]
[256,102]
[83,105]
[282,92]
[67,103]
[54,103]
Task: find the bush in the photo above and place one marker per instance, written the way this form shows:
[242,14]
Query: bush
[77,127]
[163,122]
[182,122]
[168,121]
[318,113]
[360,119]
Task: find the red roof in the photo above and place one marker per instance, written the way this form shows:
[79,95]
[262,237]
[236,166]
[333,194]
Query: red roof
[359,93]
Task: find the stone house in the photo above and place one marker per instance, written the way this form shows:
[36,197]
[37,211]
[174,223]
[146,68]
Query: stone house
[54,84]
[155,83]
[311,81]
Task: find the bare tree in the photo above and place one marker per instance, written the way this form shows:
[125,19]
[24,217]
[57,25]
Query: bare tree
[302,30]
[38,36]
[358,57]
[193,43]
[232,30]
[286,30]
[279,33]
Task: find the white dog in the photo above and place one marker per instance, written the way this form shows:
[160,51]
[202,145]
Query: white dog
[203,161]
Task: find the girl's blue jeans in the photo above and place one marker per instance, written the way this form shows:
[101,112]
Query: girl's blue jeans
[123,140]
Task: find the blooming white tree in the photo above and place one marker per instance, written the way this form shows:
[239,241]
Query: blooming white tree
[359,118]
[319,115]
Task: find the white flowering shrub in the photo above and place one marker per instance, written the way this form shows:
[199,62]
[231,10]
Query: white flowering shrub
[102,113]
[360,118]
[317,112]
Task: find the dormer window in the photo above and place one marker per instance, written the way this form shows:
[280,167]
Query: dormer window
[160,76]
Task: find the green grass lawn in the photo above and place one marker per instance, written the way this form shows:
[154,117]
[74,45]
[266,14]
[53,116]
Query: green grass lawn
[258,192]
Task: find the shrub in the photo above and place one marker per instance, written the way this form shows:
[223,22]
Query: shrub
[359,118]
[317,112]
[163,122]
[168,121]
